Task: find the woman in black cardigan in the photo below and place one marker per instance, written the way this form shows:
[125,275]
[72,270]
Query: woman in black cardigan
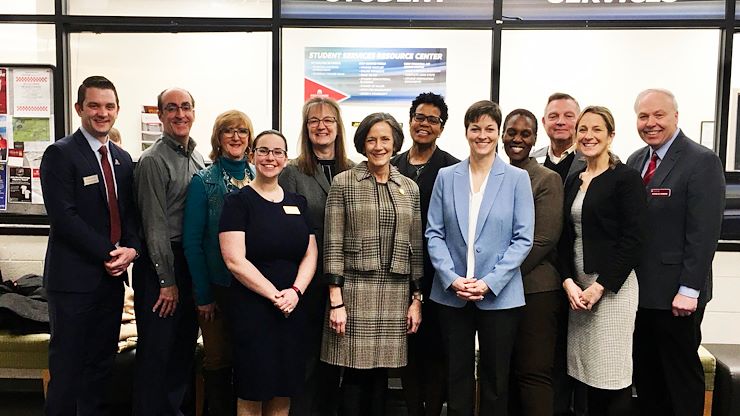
[604,206]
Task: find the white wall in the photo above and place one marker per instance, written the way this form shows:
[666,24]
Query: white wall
[222,71]
[609,68]
[468,77]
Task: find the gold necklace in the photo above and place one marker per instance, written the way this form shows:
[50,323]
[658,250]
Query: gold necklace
[239,183]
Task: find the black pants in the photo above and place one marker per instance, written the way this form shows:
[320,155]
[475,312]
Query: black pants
[83,346]
[363,392]
[531,389]
[496,332]
[668,373]
[166,346]
[609,402]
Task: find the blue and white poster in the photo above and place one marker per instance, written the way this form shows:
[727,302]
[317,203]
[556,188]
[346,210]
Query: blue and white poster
[374,74]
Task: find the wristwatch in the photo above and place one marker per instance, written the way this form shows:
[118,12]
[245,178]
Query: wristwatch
[417,296]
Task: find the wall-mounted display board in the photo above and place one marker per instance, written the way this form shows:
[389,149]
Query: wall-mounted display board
[26,129]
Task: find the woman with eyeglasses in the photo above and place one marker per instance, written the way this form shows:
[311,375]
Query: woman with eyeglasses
[322,157]
[424,378]
[373,262]
[230,171]
[269,246]
[604,211]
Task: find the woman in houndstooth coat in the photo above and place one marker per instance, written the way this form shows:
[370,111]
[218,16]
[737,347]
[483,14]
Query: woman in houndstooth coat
[373,261]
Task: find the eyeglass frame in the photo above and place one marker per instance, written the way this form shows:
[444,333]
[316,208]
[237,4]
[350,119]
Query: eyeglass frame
[420,118]
[172,108]
[315,121]
[230,132]
[267,152]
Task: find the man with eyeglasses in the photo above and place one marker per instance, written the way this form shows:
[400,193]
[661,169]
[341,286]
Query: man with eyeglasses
[165,309]
[424,377]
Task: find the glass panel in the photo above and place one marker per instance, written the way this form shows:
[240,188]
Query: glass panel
[609,68]
[178,8]
[463,78]
[613,10]
[27,7]
[388,9]
[27,44]
[234,75]
[733,129]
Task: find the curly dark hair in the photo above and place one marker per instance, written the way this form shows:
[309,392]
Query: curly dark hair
[433,99]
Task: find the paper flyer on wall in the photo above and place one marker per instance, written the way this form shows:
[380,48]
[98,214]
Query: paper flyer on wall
[19,185]
[3,187]
[15,155]
[32,93]
[4,139]
[37,196]
[3,90]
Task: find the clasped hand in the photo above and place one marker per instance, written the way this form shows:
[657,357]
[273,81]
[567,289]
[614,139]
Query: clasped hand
[470,288]
[286,300]
[582,299]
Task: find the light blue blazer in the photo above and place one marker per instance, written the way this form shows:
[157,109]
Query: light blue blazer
[503,235]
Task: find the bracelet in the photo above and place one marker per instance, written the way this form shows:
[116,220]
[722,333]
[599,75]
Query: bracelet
[332,307]
[297,291]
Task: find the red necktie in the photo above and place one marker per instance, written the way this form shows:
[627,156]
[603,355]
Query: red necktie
[650,169]
[115,218]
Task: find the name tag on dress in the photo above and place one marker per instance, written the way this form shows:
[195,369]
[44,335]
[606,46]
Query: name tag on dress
[660,192]
[90,180]
[292,210]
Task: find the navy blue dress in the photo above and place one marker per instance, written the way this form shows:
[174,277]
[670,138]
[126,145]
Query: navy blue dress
[269,359]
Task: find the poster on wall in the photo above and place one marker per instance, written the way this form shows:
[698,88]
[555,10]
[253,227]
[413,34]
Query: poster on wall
[19,185]
[374,74]
[3,90]
[387,9]
[4,139]
[37,197]
[31,93]
[3,187]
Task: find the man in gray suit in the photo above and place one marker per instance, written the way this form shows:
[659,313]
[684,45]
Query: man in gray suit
[559,121]
[686,197]
[561,114]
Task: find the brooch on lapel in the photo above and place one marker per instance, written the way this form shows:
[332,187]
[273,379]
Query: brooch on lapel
[401,191]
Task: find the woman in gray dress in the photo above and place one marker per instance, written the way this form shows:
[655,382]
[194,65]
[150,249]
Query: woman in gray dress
[322,157]
[373,260]
[604,208]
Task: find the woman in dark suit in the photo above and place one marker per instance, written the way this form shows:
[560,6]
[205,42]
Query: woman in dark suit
[531,392]
[373,260]
[322,157]
[604,207]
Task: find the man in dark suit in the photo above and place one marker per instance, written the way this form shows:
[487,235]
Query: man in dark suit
[686,194]
[88,193]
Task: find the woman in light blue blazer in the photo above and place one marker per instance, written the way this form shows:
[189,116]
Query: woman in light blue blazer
[480,230]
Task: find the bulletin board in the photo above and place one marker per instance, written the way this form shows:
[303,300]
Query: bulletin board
[26,129]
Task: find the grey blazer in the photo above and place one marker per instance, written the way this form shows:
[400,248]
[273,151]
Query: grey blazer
[686,201]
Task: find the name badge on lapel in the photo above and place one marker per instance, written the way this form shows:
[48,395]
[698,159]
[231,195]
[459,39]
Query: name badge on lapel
[660,192]
[292,210]
[90,180]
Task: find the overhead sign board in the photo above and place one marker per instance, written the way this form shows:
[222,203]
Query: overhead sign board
[388,9]
[612,9]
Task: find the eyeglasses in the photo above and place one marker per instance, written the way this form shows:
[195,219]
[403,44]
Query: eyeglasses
[229,133]
[434,120]
[328,121]
[264,151]
[172,108]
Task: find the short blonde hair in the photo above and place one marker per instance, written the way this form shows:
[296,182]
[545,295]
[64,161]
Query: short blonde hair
[227,119]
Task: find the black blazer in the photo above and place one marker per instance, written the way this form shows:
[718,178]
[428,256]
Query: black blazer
[613,224]
[79,238]
[686,201]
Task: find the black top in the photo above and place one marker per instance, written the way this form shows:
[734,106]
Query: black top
[561,168]
[425,180]
[328,166]
[613,220]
